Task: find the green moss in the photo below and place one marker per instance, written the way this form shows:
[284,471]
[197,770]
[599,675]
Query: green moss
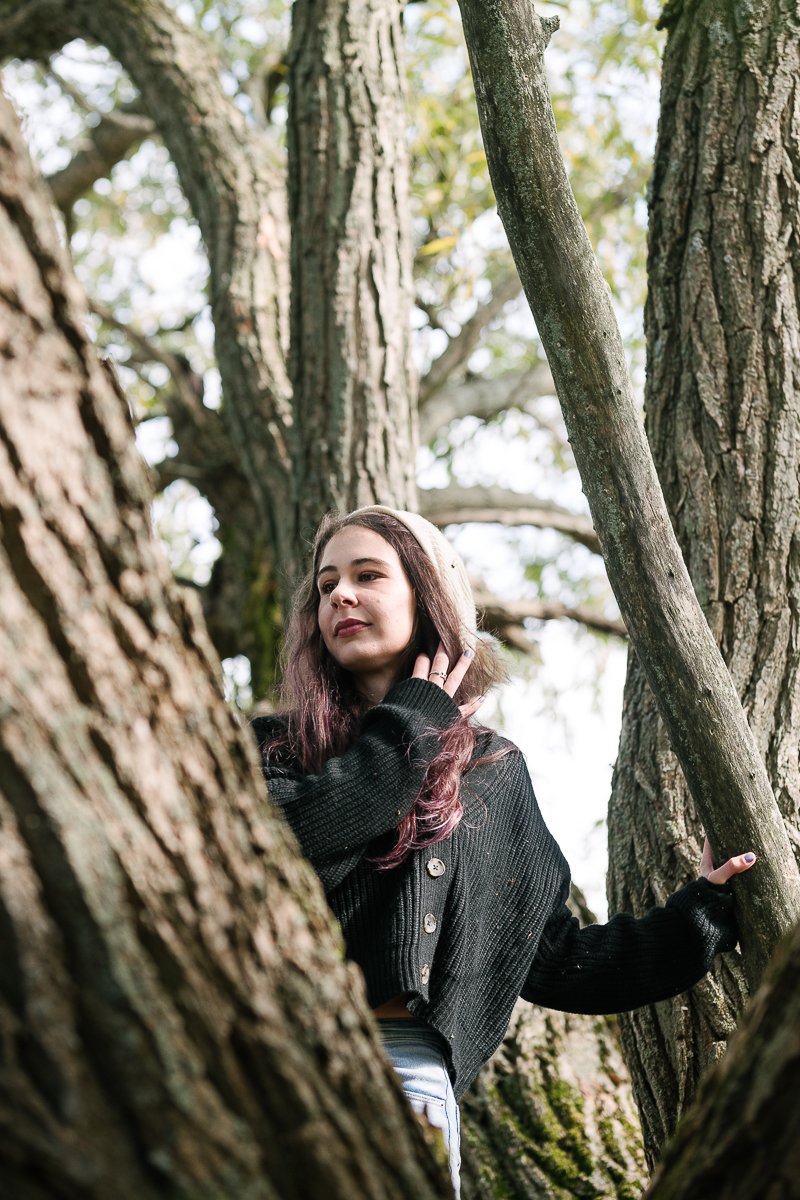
[548,1126]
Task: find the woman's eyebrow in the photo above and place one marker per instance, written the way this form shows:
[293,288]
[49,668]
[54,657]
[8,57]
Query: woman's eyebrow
[357,562]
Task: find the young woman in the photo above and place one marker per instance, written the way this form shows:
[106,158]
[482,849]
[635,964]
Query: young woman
[423,825]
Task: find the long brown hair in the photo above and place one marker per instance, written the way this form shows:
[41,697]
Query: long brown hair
[325,710]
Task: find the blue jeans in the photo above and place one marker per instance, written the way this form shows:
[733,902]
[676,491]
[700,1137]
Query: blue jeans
[417,1054]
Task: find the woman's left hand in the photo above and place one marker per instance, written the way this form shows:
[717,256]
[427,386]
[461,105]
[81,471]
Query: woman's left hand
[734,866]
[437,669]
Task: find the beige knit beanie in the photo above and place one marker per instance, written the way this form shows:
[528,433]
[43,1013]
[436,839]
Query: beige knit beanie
[448,564]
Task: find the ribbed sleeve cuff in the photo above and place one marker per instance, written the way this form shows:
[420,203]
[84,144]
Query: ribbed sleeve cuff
[427,700]
[710,909]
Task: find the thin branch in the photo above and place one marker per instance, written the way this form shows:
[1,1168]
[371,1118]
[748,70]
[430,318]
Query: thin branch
[431,312]
[116,135]
[188,383]
[500,612]
[484,398]
[500,506]
[170,470]
[460,348]
[69,89]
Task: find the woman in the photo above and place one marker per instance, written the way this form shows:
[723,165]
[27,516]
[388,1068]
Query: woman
[424,828]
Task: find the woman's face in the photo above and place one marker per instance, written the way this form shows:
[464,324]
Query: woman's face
[367,608]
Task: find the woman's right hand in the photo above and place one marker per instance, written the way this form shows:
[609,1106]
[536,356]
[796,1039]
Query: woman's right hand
[436,671]
[734,866]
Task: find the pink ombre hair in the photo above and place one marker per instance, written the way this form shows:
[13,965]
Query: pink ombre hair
[325,711]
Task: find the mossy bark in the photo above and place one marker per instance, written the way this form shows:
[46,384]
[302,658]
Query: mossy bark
[740,1140]
[552,1116]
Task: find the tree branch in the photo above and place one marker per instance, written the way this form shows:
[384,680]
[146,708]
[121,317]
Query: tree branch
[571,305]
[188,383]
[483,398]
[499,612]
[36,29]
[462,345]
[508,288]
[234,181]
[104,145]
[500,506]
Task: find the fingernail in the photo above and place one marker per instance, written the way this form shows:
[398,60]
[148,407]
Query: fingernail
[468,653]
[748,858]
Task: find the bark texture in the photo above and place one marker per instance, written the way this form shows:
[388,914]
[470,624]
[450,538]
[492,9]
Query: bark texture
[345,434]
[355,398]
[233,181]
[551,1116]
[723,418]
[741,1138]
[176,1014]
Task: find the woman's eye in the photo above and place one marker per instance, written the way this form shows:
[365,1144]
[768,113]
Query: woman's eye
[366,576]
[326,587]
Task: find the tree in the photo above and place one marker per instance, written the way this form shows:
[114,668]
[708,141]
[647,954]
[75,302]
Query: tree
[715,748]
[207,149]
[164,944]
[448,167]
[740,1137]
[188,82]
[723,414]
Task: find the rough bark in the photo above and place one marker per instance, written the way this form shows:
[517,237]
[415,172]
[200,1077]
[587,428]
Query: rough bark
[741,1138]
[551,1117]
[233,180]
[355,397]
[571,304]
[723,418]
[177,1017]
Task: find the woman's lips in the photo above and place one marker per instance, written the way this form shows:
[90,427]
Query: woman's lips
[349,628]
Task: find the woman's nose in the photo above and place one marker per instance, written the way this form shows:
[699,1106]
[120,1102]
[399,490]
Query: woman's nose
[342,594]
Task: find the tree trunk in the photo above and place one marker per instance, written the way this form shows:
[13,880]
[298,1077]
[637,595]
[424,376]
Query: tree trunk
[355,399]
[741,1138]
[342,430]
[551,1116]
[178,1020]
[571,305]
[723,419]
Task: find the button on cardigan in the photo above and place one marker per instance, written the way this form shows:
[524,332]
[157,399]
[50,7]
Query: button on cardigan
[471,923]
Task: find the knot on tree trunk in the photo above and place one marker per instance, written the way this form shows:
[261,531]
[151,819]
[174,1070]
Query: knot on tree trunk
[549,27]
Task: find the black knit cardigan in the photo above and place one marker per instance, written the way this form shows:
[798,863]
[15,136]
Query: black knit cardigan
[471,923]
